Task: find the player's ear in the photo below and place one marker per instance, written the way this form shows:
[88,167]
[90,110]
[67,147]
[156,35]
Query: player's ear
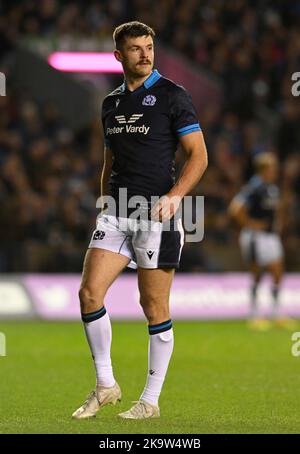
[118,55]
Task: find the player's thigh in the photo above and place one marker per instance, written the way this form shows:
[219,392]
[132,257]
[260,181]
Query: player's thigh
[255,269]
[276,269]
[248,245]
[270,250]
[155,284]
[101,267]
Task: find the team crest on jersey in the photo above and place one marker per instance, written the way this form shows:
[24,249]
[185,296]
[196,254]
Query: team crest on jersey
[149,100]
[117,102]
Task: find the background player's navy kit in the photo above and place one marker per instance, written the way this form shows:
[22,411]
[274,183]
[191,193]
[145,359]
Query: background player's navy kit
[142,129]
[261,200]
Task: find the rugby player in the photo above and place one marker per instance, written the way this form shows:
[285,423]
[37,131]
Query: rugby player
[144,120]
[257,211]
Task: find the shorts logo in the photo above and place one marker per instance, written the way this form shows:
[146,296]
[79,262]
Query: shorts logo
[133,118]
[149,100]
[150,254]
[99,235]
[151,372]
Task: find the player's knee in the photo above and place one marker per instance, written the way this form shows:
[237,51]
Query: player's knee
[88,299]
[276,271]
[155,309]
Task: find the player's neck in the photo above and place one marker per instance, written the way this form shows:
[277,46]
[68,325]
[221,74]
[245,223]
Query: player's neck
[133,83]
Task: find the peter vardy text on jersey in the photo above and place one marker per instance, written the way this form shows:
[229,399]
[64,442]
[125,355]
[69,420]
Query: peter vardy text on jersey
[128,129]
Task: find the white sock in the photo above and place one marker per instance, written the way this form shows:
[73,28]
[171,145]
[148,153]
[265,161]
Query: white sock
[159,355]
[98,332]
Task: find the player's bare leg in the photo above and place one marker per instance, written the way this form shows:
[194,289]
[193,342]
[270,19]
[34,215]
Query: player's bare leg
[276,270]
[101,268]
[256,322]
[256,273]
[154,286]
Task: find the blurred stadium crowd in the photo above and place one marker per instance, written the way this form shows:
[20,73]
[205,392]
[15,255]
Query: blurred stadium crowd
[49,177]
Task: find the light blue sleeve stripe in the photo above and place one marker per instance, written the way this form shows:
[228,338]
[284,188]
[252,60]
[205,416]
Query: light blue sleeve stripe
[189,131]
[188,127]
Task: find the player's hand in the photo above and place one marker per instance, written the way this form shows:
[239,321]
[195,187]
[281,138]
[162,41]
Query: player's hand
[165,208]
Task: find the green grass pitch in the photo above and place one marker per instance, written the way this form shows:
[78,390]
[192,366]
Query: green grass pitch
[223,378]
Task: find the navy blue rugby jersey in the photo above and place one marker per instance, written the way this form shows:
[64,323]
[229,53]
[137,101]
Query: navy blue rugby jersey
[142,130]
[261,200]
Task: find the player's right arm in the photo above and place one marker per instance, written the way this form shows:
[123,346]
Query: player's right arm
[238,211]
[106,171]
[107,161]
[105,174]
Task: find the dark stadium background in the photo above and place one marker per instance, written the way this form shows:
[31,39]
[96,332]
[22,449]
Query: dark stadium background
[50,144]
[236,58]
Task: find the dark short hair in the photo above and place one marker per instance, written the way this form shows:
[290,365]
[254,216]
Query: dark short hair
[131,29]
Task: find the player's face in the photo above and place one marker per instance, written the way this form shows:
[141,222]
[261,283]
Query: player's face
[137,56]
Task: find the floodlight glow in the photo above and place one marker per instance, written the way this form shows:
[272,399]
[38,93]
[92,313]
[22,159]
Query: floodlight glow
[87,62]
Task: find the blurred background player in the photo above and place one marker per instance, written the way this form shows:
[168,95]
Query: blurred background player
[256,209]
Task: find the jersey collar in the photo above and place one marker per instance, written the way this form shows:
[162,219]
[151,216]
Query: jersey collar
[151,80]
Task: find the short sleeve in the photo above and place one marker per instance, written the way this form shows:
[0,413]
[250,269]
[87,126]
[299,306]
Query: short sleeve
[183,115]
[244,196]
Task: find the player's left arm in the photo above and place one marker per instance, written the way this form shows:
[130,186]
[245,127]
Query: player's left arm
[194,146]
[196,163]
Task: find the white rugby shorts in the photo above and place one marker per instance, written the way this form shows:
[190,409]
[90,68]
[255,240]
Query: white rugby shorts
[148,244]
[260,247]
